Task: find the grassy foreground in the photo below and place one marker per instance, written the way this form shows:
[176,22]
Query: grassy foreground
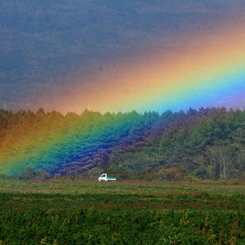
[120,213]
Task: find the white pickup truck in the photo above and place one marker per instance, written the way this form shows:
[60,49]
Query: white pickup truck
[103,177]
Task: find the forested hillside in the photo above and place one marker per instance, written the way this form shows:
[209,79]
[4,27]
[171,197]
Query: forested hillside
[206,143]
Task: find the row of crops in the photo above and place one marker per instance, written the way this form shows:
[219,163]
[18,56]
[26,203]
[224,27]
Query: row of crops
[92,213]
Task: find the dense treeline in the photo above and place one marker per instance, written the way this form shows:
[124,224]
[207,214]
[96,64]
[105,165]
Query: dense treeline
[206,143]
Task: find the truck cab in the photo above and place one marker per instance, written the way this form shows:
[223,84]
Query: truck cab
[104,177]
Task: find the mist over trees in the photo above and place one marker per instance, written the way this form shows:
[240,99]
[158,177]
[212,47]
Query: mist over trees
[206,143]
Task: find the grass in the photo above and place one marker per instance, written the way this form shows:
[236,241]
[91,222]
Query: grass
[78,212]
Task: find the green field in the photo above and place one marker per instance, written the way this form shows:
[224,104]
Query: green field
[72,212]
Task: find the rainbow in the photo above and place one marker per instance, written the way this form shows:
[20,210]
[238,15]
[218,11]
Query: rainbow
[205,72]
[57,143]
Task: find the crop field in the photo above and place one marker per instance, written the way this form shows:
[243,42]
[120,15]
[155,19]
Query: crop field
[73,212]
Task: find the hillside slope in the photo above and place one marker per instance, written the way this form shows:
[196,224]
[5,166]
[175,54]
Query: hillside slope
[208,143]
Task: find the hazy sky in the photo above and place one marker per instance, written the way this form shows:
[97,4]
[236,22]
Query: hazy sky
[117,55]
